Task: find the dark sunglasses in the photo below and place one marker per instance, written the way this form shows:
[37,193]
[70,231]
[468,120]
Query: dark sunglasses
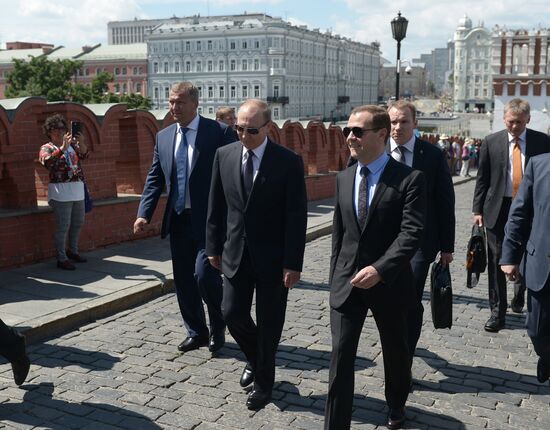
[357,131]
[241,129]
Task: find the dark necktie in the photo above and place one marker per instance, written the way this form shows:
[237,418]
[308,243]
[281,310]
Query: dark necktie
[248,174]
[401,154]
[363,198]
[181,169]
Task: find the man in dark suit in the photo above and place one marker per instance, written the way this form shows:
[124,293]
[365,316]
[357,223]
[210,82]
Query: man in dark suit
[502,159]
[182,162]
[526,242]
[256,227]
[439,230]
[12,348]
[379,216]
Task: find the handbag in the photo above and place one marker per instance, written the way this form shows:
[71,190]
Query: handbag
[441,296]
[476,255]
[88,202]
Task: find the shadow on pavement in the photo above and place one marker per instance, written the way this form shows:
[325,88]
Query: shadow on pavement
[366,410]
[39,408]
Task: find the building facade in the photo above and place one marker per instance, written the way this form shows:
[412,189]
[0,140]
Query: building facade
[520,65]
[128,32]
[301,73]
[439,66]
[473,89]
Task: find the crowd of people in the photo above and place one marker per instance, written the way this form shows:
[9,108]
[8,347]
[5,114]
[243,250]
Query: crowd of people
[237,206]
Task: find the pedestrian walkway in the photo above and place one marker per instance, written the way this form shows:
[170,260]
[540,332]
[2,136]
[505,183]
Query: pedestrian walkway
[42,300]
[124,371]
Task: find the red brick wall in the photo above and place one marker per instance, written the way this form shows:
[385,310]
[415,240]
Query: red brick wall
[121,145]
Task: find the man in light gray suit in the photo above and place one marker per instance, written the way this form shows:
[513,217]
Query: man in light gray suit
[526,241]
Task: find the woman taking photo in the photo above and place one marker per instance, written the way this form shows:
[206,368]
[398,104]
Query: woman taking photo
[61,156]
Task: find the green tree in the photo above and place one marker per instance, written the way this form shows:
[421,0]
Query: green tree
[42,77]
[136,101]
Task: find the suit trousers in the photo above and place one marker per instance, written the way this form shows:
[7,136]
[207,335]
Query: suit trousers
[420,267]
[346,324]
[11,342]
[538,322]
[498,301]
[195,279]
[258,341]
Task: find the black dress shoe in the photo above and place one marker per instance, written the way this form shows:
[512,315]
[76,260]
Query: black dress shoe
[543,372]
[76,257]
[257,399]
[65,265]
[247,377]
[216,341]
[396,418]
[494,324]
[517,305]
[191,343]
[21,365]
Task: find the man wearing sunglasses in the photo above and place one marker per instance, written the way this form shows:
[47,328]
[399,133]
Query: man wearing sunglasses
[182,162]
[256,228]
[439,231]
[379,216]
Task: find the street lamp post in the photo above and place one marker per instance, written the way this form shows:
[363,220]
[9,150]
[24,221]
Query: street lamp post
[399,32]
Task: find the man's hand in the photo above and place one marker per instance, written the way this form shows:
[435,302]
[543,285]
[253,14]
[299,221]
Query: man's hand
[139,225]
[478,219]
[290,277]
[511,271]
[446,258]
[215,261]
[366,278]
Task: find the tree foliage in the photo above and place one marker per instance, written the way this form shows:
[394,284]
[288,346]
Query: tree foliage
[54,81]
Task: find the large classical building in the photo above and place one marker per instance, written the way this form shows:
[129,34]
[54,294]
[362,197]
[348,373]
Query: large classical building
[135,31]
[302,73]
[473,86]
[520,66]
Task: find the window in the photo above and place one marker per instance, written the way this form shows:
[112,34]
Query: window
[188,66]
[256,44]
[156,93]
[166,92]
[117,88]
[221,90]
[199,66]
[166,67]
[210,110]
[257,91]
[124,89]
[232,65]
[276,63]
[244,91]
[233,91]
[244,44]
[244,65]
[231,45]
[138,88]
[210,92]
[209,45]
[221,66]
[123,71]
[200,92]
[98,71]
[276,113]
[198,45]
[188,46]
[135,71]
[177,66]
[256,64]
[210,66]
[275,90]
[117,70]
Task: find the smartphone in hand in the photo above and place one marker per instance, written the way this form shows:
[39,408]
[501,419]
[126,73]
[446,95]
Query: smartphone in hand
[76,128]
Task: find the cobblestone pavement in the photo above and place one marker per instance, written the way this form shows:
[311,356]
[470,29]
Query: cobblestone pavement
[124,371]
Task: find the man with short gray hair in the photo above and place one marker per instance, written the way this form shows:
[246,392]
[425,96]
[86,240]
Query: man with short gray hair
[503,157]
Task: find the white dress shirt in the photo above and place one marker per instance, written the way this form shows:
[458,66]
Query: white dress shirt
[408,152]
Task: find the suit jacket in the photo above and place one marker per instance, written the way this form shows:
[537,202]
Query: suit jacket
[492,171]
[390,237]
[526,232]
[439,230]
[210,136]
[272,223]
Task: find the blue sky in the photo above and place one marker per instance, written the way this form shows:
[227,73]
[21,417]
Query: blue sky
[75,23]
